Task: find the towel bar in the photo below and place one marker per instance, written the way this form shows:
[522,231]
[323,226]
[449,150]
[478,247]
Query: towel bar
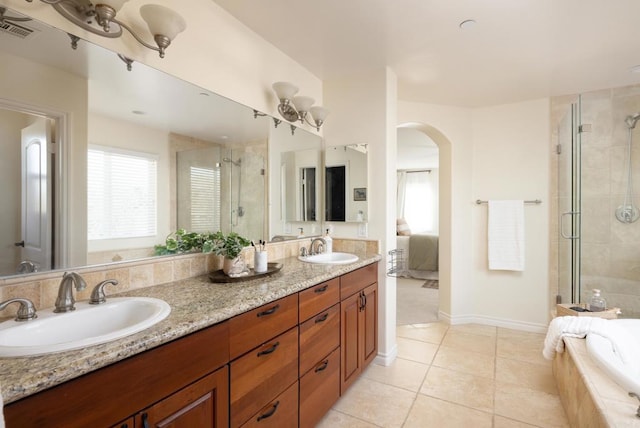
[535,201]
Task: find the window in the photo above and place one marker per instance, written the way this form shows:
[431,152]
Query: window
[205,197]
[417,200]
[121,193]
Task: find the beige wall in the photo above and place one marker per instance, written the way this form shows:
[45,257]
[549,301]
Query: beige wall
[498,152]
[510,161]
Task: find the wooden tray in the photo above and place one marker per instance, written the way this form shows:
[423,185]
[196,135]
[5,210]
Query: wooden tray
[563,309]
[220,276]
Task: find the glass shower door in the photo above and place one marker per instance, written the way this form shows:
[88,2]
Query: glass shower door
[569,200]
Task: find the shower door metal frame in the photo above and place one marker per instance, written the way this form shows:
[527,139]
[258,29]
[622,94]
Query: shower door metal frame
[569,225]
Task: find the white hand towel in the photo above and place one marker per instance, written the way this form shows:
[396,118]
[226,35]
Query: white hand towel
[506,235]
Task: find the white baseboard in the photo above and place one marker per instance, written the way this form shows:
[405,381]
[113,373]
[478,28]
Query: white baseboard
[388,358]
[496,322]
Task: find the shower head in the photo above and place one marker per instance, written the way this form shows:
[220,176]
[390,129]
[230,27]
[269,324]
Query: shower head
[631,120]
[236,163]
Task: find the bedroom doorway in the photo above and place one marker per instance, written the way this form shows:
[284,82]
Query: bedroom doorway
[417,206]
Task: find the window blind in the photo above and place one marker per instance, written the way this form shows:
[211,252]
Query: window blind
[205,199]
[122,194]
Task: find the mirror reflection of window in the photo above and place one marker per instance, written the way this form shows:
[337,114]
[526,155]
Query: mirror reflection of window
[204,183]
[335,199]
[122,200]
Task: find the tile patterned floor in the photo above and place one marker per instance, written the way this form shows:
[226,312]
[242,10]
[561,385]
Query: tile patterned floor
[469,376]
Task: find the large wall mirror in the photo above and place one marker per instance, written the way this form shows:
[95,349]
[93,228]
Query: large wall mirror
[346,192]
[81,135]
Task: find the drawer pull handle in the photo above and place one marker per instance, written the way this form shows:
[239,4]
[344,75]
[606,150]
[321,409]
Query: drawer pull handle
[322,318]
[145,420]
[322,367]
[321,289]
[270,413]
[269,350]
[268,311]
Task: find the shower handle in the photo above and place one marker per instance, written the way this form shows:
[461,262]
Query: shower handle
[562,217]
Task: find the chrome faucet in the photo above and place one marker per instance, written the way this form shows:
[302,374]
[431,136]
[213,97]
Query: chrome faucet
[319,248]
[65,300]
[97,295]
[27,266]
[26,311]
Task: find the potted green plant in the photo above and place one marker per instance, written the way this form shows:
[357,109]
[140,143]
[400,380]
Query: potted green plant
[229,246]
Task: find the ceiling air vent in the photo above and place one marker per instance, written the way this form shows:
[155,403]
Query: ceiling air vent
[15,29]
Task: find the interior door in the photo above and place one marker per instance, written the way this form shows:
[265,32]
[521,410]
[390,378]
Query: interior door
[36,195]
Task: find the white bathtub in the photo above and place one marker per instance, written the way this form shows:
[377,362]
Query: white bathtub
[626,374]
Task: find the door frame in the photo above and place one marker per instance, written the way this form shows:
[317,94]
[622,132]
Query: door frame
[60,224]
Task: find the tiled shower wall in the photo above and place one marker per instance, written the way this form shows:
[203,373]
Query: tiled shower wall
[610,250]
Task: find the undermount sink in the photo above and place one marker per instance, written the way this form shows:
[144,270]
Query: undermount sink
[87,325]
[330,258]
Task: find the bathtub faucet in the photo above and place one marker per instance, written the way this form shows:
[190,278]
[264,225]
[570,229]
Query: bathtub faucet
[633,394]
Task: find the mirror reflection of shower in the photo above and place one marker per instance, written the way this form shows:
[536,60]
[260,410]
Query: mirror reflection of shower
[628,212]
[239,209]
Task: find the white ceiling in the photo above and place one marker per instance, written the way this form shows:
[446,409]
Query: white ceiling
[519,49]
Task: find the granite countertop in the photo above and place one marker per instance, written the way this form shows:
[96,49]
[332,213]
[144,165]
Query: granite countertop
[195,303]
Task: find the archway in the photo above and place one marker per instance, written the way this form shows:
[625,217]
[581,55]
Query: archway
[444,213]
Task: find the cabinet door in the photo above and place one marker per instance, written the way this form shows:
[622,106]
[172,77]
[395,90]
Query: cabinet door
[369,324]
[204,404]
[349,340]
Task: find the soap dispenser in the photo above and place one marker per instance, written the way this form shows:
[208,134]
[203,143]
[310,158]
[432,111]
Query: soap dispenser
[597,302]
[329,243]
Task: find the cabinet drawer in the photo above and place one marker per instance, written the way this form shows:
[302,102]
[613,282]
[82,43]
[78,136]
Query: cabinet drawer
[319,389]
[318,298]
[318,337]
[355,281]
[281,412]
[260,375]
[255,327]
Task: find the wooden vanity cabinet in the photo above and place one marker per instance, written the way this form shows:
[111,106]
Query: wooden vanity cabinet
[110,395]
[358,322]
[283,364]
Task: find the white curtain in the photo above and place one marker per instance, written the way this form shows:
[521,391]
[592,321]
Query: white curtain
[402,183]
[418,200]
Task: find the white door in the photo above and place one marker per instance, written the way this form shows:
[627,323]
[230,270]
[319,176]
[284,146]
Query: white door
[36,198]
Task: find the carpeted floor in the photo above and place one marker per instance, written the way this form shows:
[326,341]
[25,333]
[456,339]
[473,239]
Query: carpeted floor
[415,304]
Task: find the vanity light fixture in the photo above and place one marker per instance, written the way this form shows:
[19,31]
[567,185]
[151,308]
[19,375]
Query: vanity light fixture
[164,24]
[298,108]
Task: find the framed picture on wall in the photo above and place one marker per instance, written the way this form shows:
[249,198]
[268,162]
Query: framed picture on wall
[360,194]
